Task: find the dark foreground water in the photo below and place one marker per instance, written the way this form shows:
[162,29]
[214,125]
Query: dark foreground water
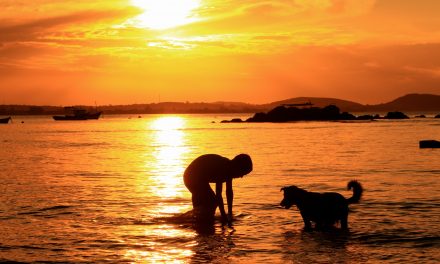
[109,190]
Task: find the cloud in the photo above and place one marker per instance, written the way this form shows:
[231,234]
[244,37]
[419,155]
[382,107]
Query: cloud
[255,51]
[59,41]
[317,22]
[429,72]
[38,29]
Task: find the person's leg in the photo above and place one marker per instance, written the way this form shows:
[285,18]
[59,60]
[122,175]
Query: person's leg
[210,202]
[204,204]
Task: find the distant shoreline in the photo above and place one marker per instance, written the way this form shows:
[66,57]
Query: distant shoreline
[416,103]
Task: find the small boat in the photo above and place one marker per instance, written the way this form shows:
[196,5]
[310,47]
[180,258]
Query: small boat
[5,120]
[78,114]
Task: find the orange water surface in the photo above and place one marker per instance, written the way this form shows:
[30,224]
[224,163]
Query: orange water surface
[111,190]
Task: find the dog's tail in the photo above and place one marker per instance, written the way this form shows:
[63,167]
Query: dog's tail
[357,191]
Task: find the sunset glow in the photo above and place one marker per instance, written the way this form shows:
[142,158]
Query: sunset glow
[132,51]
[165,13]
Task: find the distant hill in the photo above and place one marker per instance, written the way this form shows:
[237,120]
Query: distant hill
[410,102]
[181,108]
[153,108]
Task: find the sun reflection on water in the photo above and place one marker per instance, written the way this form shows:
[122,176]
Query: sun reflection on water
[168,123]
[166,165]
[169,149]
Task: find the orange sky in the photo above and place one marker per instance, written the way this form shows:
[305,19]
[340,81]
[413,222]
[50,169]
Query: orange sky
[134,51]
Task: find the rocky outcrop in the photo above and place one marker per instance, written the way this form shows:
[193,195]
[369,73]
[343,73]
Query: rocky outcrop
[329,113]
[368,117]
[286,114]
[396,115]
[235,120]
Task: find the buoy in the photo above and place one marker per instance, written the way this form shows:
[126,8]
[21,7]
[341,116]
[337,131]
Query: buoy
[429,144]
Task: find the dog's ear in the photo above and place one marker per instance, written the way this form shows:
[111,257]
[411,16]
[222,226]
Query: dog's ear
[282,189]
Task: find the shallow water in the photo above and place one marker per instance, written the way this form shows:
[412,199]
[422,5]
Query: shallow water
[110,190]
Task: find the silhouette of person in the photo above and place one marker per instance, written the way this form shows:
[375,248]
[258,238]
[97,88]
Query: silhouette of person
[213,168]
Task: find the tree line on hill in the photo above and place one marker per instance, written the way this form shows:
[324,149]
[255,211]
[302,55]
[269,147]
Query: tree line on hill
[411,102]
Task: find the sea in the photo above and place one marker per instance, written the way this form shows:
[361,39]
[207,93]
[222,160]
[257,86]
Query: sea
[111,190]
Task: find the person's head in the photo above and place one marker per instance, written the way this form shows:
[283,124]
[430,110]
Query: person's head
[241,165]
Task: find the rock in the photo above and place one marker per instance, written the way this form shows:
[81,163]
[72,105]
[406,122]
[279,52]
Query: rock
[287,114]
[258,117]
[437,116]
[429,144]
[396,115]
[347,116]
[235,120]
[366,117]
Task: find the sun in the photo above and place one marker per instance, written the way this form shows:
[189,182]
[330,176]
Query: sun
[164,14]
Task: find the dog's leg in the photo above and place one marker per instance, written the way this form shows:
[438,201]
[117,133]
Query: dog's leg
[319,225]
[308,226]
[344,221]
[307,223]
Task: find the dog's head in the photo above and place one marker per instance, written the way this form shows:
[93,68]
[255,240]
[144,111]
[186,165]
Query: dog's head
[291,196]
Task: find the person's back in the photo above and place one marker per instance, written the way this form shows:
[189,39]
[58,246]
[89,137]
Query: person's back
[208,168]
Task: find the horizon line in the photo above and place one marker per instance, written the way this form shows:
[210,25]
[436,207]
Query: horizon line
[212,102]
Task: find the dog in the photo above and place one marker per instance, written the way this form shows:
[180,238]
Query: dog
[323,209]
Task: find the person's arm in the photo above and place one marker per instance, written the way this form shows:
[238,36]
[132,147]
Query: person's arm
[230,199]
[221,207]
